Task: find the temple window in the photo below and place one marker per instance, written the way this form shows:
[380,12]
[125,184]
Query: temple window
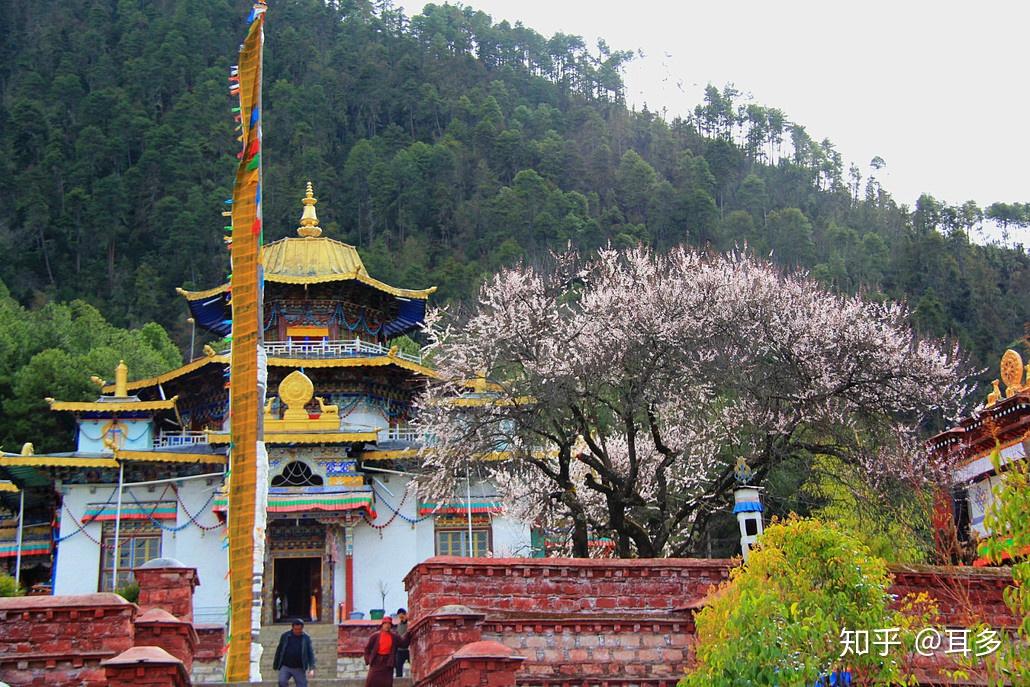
[297,474]
[452,536]
[138,542]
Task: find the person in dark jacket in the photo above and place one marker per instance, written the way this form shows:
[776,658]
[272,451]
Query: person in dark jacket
[295,656]
[381,654]
[403,655]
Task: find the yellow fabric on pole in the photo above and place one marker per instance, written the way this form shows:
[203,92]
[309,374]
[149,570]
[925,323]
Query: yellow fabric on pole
[245,406]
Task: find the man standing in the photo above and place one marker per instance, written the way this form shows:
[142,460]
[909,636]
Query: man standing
[381,654]
[403,654]
[295,656]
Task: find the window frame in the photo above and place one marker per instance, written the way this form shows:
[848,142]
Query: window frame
[449,526]
[133,539]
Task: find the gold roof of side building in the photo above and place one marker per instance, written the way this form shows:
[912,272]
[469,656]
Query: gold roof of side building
[311,258]
[128,405]
[364,361]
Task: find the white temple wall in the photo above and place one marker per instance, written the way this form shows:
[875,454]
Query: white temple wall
[201,548]
[387,559]
[78,557]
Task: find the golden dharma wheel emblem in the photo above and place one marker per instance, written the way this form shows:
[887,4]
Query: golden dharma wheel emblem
[1012,372]
[296,390]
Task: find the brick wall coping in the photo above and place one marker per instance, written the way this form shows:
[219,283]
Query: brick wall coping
[950,571]
[159,615]
[486,649]
[137,655]
[660,615]
[371,624]
[449,612]
[77,658]
[610,681]
[40,603]
[569,567]
[180,570]
[623,624]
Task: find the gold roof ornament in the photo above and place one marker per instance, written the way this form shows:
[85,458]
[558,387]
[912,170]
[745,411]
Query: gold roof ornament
[1012,373]
[27,449]
[309,220]
[995,394]
[121,380]
[295,392]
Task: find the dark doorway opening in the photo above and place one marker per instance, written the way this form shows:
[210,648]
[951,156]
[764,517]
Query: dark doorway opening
[297,591]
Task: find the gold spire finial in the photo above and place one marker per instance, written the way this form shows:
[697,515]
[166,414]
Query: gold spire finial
[309,220]
[121,380]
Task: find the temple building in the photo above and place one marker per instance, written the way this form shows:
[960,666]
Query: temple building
[1001,426]
[345,523]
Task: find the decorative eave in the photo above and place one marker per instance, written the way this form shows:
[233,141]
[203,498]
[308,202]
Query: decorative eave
[172,457]
[223,438]
[402,454]
[418,294]
[113,406]
[172,374]
[370,361]
[480,401]
[45,461]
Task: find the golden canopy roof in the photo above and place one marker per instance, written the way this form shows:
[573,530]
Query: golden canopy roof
[311,258]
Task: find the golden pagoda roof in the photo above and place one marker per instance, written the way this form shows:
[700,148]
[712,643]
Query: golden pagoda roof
[311,258]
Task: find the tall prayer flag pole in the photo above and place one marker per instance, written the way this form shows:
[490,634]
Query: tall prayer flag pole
[248,462]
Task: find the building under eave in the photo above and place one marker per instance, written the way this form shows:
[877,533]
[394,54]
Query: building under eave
[344,522]
[1002,425]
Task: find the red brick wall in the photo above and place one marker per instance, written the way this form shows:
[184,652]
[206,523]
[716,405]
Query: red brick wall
[167,588]
[575,619]
[479,664]
[964,595]
[550,586]
[60,640]
[556,649]
[352,636]
[210,642]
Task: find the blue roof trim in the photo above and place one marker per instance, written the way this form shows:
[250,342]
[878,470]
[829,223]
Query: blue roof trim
[748,507]
[209,313]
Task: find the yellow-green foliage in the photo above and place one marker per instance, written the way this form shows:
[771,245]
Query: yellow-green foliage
[9,587]
[778,620]
[1008,519]
[895,531]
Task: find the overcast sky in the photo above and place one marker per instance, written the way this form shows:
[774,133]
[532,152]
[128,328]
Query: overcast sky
[939,90]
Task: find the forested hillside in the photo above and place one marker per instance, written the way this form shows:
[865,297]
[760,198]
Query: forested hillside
[442,145]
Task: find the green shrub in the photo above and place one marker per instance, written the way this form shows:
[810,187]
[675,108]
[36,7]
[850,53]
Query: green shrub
[9,586]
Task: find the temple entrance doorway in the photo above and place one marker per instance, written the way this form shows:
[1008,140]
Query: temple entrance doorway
[298,572]
[298,589]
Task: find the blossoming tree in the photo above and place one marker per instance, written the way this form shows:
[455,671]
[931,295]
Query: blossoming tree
[609,397]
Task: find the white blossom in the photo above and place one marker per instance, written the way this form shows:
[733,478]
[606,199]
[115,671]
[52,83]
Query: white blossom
[623,388]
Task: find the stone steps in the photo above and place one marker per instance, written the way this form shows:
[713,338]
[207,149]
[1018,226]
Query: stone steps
[323,641]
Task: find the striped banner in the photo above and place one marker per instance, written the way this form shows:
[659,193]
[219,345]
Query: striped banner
[156,510]
[28,548]
[458,507]
[299,503]
[247,483]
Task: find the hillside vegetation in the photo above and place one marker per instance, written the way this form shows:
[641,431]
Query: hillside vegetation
[442,145]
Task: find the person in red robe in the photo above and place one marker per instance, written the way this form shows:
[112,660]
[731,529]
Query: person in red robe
[381,654]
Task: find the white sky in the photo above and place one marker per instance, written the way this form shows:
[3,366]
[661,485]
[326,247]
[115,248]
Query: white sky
[939,90]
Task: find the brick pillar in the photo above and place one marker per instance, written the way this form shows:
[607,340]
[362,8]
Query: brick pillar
[479,664]
[145,665]
[158,627]
[166,583]
[435,637]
